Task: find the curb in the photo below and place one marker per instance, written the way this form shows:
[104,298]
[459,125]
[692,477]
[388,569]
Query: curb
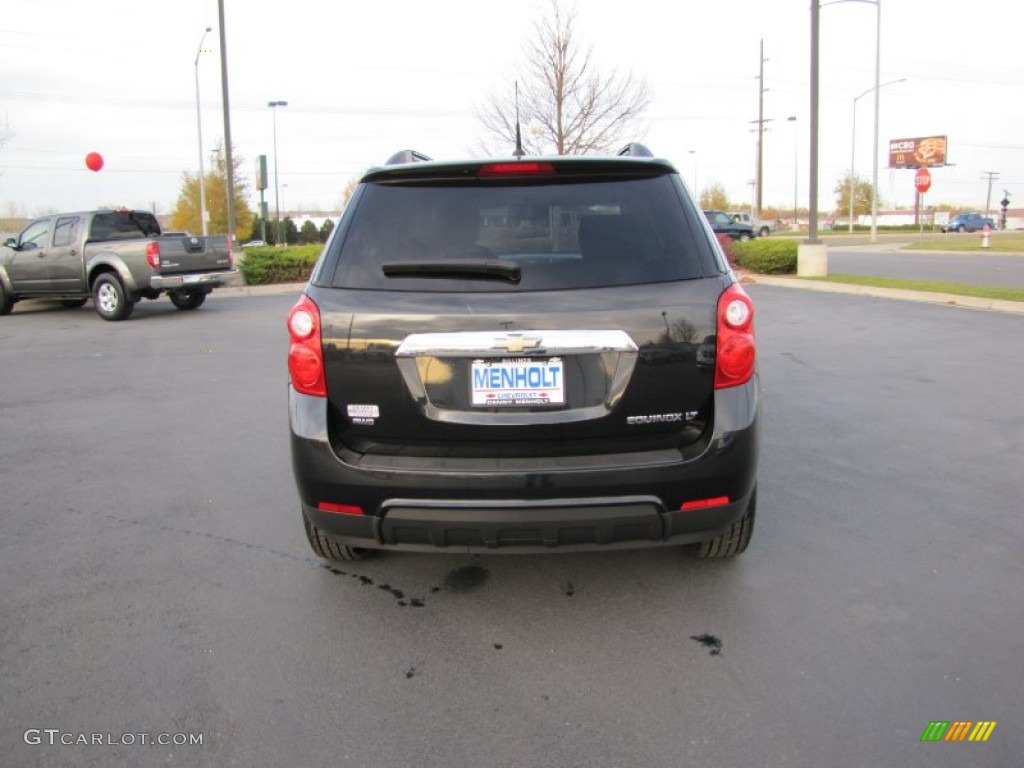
[258,290]
[925,297]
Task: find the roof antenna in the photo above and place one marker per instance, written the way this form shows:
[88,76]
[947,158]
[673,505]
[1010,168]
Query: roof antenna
[518,152]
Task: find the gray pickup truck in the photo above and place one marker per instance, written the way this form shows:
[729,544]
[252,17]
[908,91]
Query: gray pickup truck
[114,257]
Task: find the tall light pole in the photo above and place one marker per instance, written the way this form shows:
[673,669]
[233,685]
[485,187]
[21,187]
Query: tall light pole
[853,149]
[229,165]
[199,126]
[277,189]
[696,192]
[796,168]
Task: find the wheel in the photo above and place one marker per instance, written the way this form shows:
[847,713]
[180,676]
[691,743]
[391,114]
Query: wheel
[961,228]
[73,303]
[764,232]
[6,301]
[744,237]
[110,298]
[187,299]
[329,549]
[735,540]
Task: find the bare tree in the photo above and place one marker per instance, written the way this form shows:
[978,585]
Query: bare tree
[566,106]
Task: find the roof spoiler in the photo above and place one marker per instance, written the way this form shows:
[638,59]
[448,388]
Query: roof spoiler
[407,156]
[633,149]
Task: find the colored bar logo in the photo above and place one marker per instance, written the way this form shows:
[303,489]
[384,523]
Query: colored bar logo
[958,730]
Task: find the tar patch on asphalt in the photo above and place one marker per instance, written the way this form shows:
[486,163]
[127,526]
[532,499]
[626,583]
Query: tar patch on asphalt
[467,578]
[712,643]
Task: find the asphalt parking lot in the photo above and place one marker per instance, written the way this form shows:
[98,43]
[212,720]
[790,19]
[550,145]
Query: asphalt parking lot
[156,579]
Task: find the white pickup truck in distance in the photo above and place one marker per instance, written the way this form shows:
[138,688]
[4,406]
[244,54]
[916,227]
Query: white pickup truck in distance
[762,227]
[114,257]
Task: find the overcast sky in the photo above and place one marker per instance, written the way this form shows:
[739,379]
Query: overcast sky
[366,79]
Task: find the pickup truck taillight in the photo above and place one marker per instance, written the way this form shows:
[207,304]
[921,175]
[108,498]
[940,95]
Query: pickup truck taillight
[153,255]
[306,355]
[734,361]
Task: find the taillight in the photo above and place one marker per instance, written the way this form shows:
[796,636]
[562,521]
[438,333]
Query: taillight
[306,355]
[517,169]
[153,255]
[734,361]
[231,255]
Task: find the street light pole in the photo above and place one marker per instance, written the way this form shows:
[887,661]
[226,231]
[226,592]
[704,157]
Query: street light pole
[796,168]
[199,126]
[878,89]
[696,192]
[853,148]
[277,189]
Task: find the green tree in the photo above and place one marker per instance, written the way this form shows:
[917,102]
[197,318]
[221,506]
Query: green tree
[567,107]
[714,197]
[861,195]
[325,230]
[186,210]
[290,233]
[309,233]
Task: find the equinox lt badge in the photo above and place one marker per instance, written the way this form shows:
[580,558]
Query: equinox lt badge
[659,418]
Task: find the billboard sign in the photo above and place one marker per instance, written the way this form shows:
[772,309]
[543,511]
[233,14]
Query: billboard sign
[917,153]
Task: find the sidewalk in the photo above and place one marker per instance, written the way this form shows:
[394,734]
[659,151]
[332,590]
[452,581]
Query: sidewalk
[953,300]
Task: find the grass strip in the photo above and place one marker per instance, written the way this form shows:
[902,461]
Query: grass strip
[931,286]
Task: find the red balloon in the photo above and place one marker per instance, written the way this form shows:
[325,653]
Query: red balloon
[94,161]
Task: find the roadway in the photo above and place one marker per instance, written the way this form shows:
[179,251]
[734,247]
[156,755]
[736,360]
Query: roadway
[156,578]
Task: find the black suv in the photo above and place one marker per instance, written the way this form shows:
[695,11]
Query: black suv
[520,355]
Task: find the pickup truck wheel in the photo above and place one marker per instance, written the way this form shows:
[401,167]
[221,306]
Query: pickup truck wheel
[187,299]
[329,549]
[735,540]
[744,237]
[6,301]
[110,299]
[73,303]
[763,232]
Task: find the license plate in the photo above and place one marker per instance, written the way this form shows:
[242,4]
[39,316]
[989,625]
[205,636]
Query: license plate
[520,381]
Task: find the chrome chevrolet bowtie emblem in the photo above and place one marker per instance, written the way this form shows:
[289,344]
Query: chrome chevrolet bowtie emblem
[516,343]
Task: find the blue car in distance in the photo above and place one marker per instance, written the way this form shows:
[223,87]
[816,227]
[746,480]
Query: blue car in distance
[968,222]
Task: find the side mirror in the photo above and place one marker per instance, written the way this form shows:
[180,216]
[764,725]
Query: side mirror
[10,242]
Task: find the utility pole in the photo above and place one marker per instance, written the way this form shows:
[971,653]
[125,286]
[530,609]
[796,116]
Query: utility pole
[227,124]
[992,176]
[760,129]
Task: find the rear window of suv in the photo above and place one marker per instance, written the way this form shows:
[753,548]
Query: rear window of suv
[559,234]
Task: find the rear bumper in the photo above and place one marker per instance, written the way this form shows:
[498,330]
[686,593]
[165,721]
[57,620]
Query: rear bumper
[203,280]
[498,507]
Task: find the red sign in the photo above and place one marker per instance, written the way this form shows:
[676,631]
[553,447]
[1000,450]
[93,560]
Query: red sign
[922,180]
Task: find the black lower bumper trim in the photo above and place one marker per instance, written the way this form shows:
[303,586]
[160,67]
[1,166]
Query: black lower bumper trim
[492,525]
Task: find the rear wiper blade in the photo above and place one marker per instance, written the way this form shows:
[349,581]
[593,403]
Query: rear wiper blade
[455,269]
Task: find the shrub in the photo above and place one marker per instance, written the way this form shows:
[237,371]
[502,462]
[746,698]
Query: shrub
[261,266]
[774,256]
[727,248]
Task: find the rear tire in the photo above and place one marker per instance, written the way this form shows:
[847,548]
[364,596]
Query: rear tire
[73,303]
[734,541]
[764,232]
[6,301]
[110,299]
[329,549]
[187,299]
